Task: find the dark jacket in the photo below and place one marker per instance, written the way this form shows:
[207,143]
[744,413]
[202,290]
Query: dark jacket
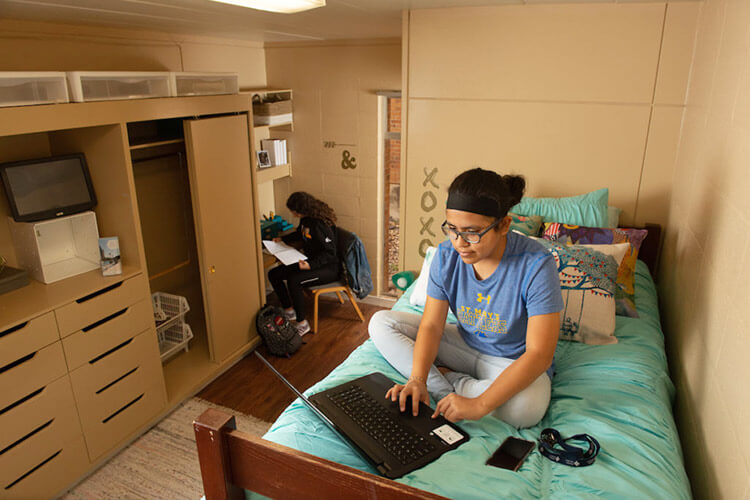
[356,267]
[318,242]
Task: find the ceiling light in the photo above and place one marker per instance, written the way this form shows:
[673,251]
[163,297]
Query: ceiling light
[283,6]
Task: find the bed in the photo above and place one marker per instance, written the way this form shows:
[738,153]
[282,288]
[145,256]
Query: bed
[621,394]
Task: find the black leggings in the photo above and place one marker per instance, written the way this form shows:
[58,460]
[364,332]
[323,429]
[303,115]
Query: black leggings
[296,279]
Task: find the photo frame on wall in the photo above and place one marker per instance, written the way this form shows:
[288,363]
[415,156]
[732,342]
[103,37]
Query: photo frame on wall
[264,160]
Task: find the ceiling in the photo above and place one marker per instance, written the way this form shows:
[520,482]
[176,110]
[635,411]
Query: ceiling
[340,19]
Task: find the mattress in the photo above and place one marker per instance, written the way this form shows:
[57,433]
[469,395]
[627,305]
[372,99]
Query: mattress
[621,394]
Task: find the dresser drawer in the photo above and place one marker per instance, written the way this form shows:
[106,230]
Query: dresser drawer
[98,305]
[31,372]
[45,472]
[102,387]
[28,337]
[93,341]
[119,392]
[103,434]
[48,407]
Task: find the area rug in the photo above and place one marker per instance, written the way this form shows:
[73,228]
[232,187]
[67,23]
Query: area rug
[163,463]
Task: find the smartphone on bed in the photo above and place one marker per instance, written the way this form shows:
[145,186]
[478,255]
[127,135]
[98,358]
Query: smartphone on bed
[511,453]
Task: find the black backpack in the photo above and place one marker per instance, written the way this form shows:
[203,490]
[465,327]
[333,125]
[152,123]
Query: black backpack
[280,337]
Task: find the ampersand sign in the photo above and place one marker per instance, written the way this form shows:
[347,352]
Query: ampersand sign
[347,160]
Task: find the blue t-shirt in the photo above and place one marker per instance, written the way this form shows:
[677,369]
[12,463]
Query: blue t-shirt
[493,313]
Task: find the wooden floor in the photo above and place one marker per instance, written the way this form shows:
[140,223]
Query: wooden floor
[251,388]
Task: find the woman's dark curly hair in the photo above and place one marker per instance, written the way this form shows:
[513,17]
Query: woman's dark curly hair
[307,205]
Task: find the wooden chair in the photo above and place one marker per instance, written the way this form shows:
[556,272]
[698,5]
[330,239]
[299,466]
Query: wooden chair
[342,238]
[334,287]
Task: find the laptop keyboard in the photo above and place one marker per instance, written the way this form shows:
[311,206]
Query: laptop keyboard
[382,425]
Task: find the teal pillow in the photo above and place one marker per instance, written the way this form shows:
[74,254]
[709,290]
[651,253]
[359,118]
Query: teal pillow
[588,209]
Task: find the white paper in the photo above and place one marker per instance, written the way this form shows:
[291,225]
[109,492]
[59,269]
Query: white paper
[286,254]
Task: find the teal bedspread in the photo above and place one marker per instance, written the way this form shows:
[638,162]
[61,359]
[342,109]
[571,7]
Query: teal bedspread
[621,394]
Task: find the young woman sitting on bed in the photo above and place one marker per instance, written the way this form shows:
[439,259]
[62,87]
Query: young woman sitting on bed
[505,292]
[317,232]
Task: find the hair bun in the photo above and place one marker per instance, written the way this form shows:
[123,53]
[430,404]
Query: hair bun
[516,185]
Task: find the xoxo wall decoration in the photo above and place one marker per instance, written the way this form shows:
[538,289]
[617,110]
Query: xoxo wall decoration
[428,203]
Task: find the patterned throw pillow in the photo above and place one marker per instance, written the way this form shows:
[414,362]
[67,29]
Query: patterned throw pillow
[578,235]
[528,225]
[587,280]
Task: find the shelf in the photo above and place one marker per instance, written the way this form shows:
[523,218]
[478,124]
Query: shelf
[272,173]
[154,144]
[30,119]
[286,126]
[37,298]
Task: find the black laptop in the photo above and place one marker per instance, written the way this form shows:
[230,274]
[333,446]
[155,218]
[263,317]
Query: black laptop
[395,443]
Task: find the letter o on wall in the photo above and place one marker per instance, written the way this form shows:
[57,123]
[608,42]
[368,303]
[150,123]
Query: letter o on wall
[423,245]
[428,201]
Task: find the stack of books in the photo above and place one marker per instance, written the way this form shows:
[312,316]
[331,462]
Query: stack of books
[276,149]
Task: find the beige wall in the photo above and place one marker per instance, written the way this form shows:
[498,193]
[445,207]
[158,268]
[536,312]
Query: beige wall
[706,258]
[575,97]
[334,100]
[27,46]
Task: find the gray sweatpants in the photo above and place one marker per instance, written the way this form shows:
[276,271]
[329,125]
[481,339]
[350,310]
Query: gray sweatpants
[394,333]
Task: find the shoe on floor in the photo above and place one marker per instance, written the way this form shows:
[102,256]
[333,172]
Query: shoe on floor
[290,314]
[302,327]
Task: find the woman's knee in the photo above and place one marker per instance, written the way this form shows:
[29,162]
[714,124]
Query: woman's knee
[529,406]
[387,325]
[277,273]
[380,323]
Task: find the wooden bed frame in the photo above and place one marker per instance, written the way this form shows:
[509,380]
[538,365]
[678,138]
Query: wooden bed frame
[232,461]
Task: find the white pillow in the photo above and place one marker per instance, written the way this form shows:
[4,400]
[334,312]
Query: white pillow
[419,294]
[588,281]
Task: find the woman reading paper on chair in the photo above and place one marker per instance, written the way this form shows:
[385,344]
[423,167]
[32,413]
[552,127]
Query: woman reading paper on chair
[317,233]
[505,292]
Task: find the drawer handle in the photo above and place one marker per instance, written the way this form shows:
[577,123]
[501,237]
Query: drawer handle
[17,362]
[116,380]
[116,348]
[13,329]
[27,436]
[104,320]
[22,400]
[32,470]
[122,409]
[99,292]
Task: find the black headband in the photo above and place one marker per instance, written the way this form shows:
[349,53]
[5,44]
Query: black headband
[474,204]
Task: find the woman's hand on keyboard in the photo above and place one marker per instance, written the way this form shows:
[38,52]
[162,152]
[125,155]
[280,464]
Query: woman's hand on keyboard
[417,390]
[455,408]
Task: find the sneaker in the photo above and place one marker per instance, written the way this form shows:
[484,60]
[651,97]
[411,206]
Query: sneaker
[290,314]
[302,327]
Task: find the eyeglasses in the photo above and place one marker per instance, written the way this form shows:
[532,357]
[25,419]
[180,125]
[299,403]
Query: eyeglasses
[468,236]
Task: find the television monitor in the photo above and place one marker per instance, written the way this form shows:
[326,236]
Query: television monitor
[47,188]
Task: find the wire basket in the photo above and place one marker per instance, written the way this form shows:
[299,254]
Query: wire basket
[171,330]
[174,339]
[168,309]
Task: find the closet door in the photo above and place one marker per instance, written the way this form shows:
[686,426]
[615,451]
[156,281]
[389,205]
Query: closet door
[219,165]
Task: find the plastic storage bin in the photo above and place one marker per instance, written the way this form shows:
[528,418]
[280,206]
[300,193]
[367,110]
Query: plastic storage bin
[110,85]
[171,330]
[190,84]
[20,88]
[56,249]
